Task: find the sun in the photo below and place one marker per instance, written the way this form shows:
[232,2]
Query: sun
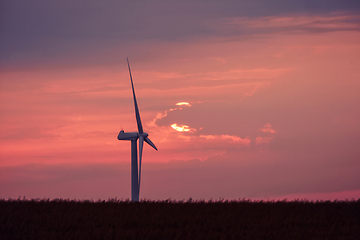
[183,104]
[182,128]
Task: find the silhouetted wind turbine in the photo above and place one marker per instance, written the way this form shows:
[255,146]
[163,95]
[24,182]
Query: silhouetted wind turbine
[133,137]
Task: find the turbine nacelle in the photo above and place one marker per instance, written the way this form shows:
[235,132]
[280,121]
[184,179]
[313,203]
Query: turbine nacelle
[128,136]
[135,136]
[131,135]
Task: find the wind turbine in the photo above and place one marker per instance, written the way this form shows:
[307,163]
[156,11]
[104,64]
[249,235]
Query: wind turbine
[133,137]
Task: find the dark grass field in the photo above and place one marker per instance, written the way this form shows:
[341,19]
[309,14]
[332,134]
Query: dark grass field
[66,219]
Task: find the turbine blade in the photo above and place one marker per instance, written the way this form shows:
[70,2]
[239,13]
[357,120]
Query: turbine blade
[150,143]
[137,114]
[141,144]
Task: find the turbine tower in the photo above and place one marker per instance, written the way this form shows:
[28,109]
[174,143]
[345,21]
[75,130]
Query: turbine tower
[133,137]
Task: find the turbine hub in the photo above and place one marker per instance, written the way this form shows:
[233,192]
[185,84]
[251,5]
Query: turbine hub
[144,134]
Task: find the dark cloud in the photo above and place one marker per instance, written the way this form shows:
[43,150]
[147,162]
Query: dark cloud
[77,31]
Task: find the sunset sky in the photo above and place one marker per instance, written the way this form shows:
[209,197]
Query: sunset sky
[243,99]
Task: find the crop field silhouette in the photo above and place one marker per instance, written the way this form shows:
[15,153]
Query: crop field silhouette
[115,219]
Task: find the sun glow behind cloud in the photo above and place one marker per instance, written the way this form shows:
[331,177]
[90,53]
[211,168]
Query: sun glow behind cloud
[183,104]
[182,128]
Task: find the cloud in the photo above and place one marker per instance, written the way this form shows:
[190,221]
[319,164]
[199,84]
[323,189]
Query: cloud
[73,34]
[165,113]
[309,23]
[234,139]
[250,93]
[261,140]
[267,129]
[196,137]
[29,133]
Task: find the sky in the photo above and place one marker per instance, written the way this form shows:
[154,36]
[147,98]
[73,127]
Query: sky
[243,99]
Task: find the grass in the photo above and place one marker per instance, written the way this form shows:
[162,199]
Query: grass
[113,219]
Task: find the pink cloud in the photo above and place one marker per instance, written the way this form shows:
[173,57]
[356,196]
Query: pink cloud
[330,22]
[261,140]
[267,128]
[233,139]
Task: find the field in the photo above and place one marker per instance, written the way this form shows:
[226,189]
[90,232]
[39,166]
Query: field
[113,219]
